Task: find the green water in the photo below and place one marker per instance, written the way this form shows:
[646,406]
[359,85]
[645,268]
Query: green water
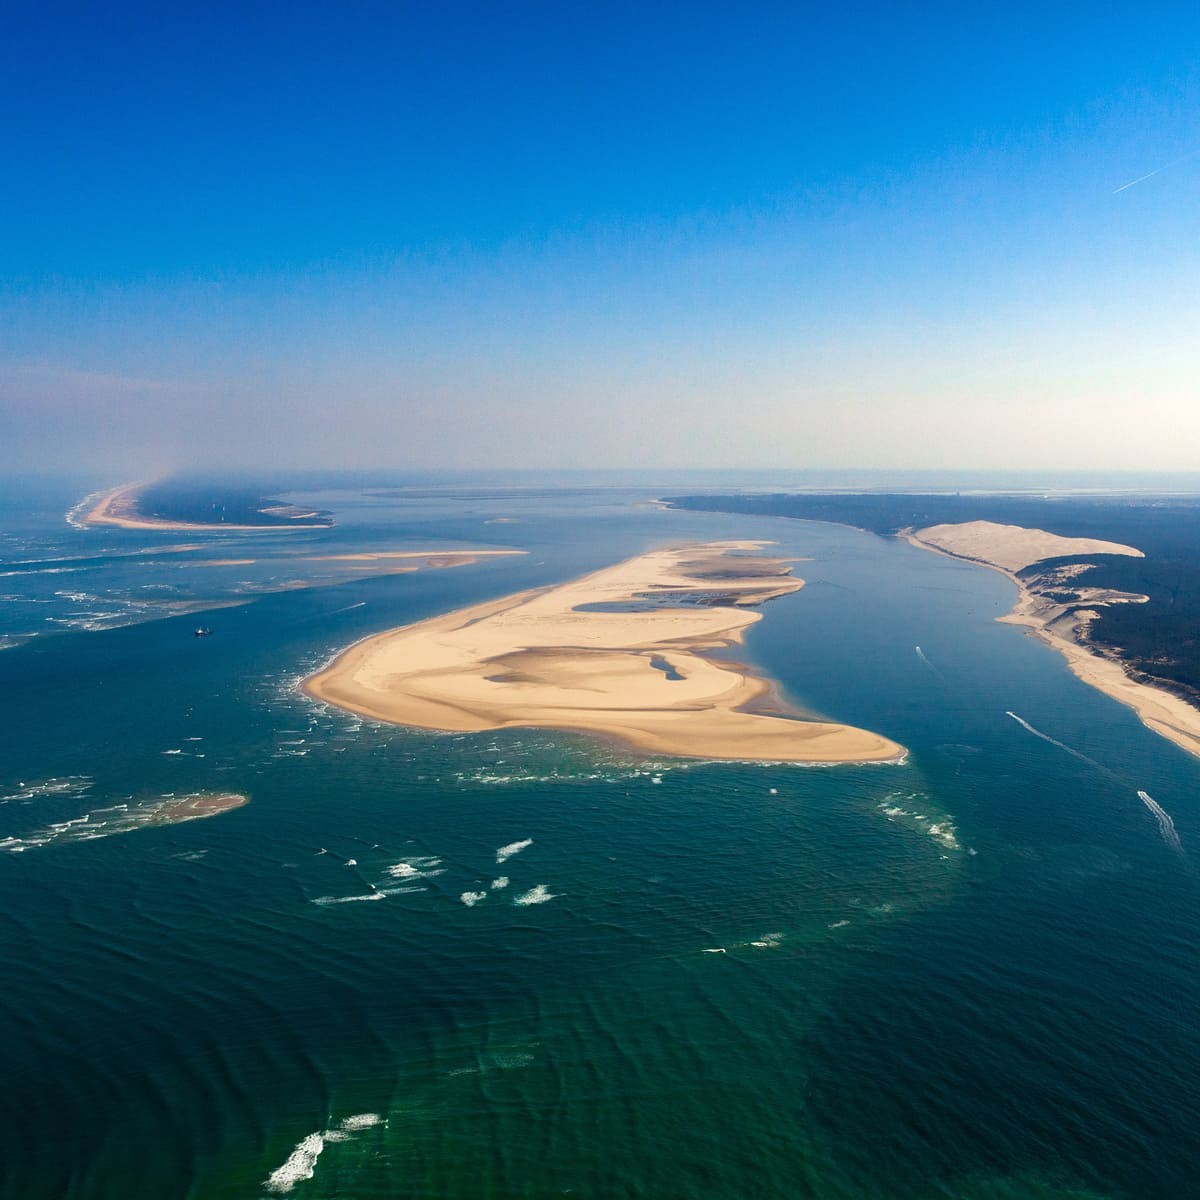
[973,975]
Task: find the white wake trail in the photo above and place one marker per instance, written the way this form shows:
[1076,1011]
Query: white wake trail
[1037,733]
[1165,825]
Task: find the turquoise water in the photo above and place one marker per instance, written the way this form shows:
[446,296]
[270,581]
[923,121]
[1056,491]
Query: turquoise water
[973,975]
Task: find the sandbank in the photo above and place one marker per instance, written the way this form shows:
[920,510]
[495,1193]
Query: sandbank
[1011,548]
[620,653]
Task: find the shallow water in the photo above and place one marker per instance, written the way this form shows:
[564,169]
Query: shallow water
[971,975]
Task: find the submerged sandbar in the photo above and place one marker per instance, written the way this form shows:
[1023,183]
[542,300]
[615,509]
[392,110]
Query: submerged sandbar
[620,652]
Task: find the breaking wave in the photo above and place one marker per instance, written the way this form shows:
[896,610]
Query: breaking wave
[939,829]
[536,895]
[300,1165]
[506,852]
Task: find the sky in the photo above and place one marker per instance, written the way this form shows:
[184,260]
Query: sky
[651,235]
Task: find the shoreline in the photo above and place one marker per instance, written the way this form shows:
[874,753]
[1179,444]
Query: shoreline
[602,656]
[1161,711]
[118,507]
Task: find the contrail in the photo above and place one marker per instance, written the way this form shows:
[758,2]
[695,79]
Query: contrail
[1156,171]
[1165,825]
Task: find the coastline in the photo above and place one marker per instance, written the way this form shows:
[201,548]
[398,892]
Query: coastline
[1158,709]
[118,507]
[619,653]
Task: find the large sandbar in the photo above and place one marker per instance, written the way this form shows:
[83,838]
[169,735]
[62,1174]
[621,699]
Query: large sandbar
[620,652]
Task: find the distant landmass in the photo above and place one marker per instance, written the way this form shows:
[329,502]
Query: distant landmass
[183,505]
[1138,610]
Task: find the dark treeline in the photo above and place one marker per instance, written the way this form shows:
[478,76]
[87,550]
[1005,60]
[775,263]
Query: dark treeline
[1160,638]
[216,504]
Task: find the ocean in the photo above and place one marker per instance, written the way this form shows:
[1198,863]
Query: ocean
[529,964]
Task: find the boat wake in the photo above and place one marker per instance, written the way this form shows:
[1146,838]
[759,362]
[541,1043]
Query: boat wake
[1165,825]
[1037,733]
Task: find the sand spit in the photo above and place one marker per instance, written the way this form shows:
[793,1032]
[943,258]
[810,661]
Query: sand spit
[1011,548]
[633,668]
[119,507]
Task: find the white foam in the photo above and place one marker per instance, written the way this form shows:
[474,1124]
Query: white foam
[299,1166]
[535,895]
[1166,826]
[498,884]
[417,868]
[470,899]
[361,1121]
[506,852]
[350,899]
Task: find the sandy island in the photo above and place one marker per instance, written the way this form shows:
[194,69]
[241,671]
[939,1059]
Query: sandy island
[1012,548]
[119,507]
[634,669]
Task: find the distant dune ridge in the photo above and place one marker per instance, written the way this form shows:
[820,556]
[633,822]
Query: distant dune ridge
[120,507]
[1064,624]
[1012,547]
[619,652]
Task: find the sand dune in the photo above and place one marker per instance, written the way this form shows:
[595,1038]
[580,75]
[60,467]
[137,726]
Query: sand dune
[1011,548]
[634,670]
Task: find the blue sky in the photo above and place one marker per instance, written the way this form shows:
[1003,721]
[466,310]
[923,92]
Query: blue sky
[603,235]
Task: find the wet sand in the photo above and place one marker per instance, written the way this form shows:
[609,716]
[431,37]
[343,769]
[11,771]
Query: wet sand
[635,670]
[1010,548]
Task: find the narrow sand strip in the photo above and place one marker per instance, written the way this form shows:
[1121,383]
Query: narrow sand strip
[1008,549]
[634,670]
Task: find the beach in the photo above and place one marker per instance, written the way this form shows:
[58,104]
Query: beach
[620,653]
[1009,549]
[118,507]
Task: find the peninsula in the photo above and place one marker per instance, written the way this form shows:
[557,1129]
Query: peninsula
[621,653]
[125,507]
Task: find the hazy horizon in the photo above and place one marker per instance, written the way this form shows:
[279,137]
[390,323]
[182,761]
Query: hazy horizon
[551,239]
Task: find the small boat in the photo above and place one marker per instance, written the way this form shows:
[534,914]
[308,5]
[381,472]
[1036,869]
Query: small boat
[203,631]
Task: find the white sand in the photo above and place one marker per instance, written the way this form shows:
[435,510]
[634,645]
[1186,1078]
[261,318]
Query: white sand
[536,660]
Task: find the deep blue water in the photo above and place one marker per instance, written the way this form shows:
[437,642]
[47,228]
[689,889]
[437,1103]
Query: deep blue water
[973,975]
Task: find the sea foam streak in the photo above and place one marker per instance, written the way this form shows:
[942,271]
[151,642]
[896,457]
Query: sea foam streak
[506,852]
[424,867]
[470,899]
[300,1165]
[360,1121]
[1165,825]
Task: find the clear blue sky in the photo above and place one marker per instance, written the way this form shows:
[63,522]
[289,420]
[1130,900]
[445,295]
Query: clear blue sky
[573,235]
